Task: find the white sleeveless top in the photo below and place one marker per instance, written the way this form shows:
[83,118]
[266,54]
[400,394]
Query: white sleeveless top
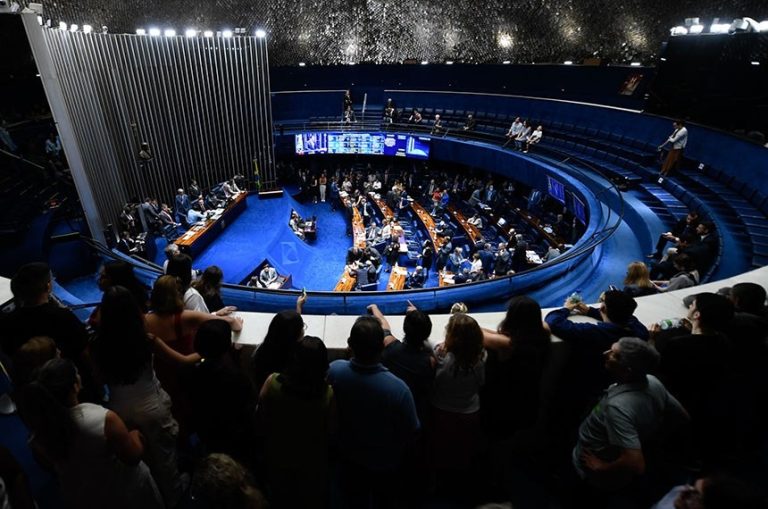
[93,477]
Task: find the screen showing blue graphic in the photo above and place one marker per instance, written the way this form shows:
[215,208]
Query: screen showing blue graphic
[556,189]
[579,210]
[398,145]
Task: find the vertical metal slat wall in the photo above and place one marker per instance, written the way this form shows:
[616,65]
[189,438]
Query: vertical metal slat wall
[202,104]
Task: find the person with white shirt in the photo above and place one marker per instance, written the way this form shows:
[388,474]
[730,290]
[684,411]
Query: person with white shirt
[194,216]
[514,130]
[522,136]
[532,139]
[476,221]
[678,140]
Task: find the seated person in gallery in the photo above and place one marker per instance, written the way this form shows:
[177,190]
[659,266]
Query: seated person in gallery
[476,221]
[415,117]
[514,130]
[469,125]
[268,277]
[417,278]
[437,127]
[533,139]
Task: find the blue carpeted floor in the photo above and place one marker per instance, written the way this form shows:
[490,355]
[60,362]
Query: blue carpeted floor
[262,231]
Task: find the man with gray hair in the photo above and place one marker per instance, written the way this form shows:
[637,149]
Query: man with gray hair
[609,450]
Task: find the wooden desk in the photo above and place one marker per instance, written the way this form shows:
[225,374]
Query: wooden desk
[472,231]
[397,279]
[197,238]
[429,224]
[346,282]
[445,278]
[552,239]
[386,212]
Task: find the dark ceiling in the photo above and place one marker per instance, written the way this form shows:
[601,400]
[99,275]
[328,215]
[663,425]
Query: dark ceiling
[390,31]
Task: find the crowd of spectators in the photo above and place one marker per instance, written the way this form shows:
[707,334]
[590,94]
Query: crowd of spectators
[150,404]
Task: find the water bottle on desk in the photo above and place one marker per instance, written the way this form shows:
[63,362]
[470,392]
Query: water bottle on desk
[575,297]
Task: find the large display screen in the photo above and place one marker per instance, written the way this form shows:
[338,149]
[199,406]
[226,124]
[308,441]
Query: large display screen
[385,144]
[556,189]
[579,210]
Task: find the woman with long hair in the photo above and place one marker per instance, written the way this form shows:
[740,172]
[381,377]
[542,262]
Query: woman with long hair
[455,397]
[276,351]
[123,353]
[209,286]
[518,352]
[120,273]
[96,458]
[176,326]
[297,413]
[638,282]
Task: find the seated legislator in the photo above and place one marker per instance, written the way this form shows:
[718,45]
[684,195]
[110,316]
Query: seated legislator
[230,189]
[297,224]
[417,278]
[415,117]
[533,139]
[194,216]
[476,221]
[268,277]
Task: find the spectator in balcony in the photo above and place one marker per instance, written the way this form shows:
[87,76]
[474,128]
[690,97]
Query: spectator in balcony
[533,139]
[180,266]
[460,373]
[415,117]
[6,138]
[522,136]
[223,399]
[614,438]
[685,276]
[123,353]
[469,125]
[276,351]
[637,282]
[514,130]
[677,141]
[389,112]
[297,412]
[37,313]
[86,444]
[583,378]
[437,126]
[518,351]
[377,418]
[684,226]
[209,287]
[220,481]
[713,492]
[53,146]
[412,359]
